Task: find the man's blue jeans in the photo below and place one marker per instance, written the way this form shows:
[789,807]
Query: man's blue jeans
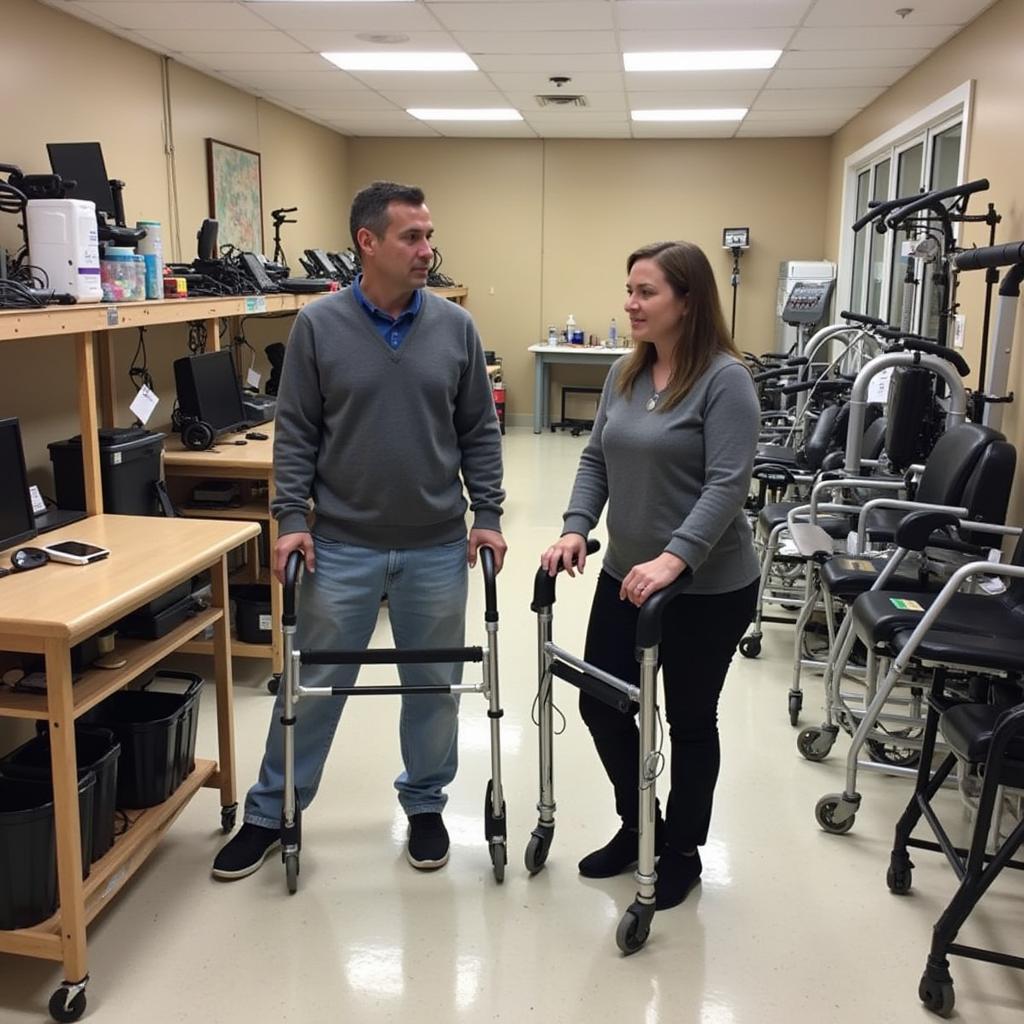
[338,608]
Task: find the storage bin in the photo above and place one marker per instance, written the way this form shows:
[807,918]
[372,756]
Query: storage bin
[97,751]
[28,847]
[253,623]
[157,734]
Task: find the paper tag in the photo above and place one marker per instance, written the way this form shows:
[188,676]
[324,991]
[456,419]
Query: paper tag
[878,386]
[905,605]
[992,585]
[38,505]
[252,379]
[255,304]
[143,404]
[266,623]
[111,316]
[851,543]
[995,555]
[858,565]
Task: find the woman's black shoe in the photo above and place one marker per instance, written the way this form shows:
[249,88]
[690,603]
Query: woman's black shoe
[619,853]
[677,875]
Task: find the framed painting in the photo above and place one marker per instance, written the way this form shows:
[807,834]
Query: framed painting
[236,194]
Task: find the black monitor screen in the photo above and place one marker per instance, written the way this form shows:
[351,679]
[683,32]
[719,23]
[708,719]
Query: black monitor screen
[217,392]
[82,162]
[17,523]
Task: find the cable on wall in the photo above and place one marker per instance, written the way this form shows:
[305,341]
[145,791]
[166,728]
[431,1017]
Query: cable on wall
[172,178]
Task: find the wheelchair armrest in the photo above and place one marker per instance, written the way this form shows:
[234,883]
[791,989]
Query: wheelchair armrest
[810,540]
[915,529]
[908,506]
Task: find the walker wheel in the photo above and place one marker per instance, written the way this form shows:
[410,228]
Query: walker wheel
[825,813]
[63,1010]
[900,877]
[812,744]
[537,849]
[635,926]
[291,872]
[274,683]
[796,703]
[499,858]
[750,646]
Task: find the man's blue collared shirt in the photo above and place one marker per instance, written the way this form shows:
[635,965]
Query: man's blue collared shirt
[393,329]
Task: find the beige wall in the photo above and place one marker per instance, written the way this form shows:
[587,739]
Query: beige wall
[990,52]
[541,229]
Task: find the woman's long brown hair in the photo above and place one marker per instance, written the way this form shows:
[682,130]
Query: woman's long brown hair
[703,334]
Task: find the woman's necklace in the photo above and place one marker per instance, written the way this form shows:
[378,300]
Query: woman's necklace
[653,401]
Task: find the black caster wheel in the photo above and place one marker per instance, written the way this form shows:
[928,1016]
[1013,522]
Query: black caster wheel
[814,744]
[900,875]
[291,872]
[537,849]
[63,1009]
[499,857]
[750,646]
[228,816]
[825,813]
[937,996]
[635,926]
[796,703]
[274,683]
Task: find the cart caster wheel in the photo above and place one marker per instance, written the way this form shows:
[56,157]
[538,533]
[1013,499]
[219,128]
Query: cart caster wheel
[814,744]
[750,646]
[937,996]
[537,849]
[228,816]
[826,811]
[63,1010]
[634,928]
[796,703]
[291,872]
[900,875]
[499,857]
[274,683]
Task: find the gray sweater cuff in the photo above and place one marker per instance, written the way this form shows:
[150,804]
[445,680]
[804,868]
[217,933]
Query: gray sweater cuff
[576,523]
[692,554]
[484,520]
[292,522]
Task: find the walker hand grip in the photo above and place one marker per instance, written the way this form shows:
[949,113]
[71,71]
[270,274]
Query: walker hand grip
[648,626]
[291,578]
[490,590]
[544,585]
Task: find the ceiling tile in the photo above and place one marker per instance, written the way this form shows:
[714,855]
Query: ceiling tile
[644,15]
[538,42]
[324,102]
[764,131]
[333,40]
[560,63]
[706,39]
[900,37]
[553,15]
[267,61]
[816,99]
[694,81]
[569,131]
[485,129]
[442,98]
[408,81]
[540,82]
[212,15]
[830,13]
[202,41]
[851,58]
[676,98]
[351,17]
[603,101]
[807,78]
[276,81]
[682,130]
[806,117]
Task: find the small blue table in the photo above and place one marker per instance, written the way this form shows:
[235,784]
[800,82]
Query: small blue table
[543,358]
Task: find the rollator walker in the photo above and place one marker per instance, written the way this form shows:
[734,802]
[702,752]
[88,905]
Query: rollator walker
[635,925]
[494,805]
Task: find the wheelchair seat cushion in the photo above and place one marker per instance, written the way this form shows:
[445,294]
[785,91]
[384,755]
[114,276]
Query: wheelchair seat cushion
[848,576]
[981,639]
[968,728]
[879,614]
[775,454]
[775,513]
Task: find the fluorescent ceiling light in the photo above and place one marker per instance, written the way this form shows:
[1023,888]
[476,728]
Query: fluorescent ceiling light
[465,114]
[401,60]
[342,1]
[701,60]
[697,114]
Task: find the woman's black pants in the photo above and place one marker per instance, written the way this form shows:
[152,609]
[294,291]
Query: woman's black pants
[699,636]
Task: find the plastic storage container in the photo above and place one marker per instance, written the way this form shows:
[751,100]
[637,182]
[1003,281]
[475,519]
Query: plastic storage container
[28,848]
[157,733]
[253,623]
[64,242]
[97,751]
[152,248]
[122,278]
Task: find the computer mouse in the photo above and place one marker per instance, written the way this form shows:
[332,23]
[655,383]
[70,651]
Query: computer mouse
[28,558]
[255,435]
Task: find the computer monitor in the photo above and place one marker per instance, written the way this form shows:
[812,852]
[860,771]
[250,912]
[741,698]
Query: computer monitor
[17,523]
[208,389]
[82,162]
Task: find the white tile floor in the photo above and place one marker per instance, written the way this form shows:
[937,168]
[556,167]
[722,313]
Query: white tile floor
[789,923]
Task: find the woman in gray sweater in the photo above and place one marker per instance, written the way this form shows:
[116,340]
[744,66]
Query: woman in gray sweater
[671,455]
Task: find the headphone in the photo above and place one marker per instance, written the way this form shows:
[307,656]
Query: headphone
[197,435]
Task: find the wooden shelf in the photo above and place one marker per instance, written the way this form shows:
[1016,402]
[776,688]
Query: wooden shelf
[457,294]
[239,648]
[98,683]
[114,868]
[245,512]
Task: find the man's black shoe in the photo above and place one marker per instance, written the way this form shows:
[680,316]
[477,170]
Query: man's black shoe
[428,842]
[246,851]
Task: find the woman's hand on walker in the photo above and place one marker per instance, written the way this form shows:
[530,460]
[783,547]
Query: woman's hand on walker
[567,552]
[649,577]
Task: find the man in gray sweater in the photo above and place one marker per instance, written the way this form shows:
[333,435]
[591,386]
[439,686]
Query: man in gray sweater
[383,414]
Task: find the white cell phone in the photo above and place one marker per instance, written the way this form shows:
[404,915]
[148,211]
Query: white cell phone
[76,552]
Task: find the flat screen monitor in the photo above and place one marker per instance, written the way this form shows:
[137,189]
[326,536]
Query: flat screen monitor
[208,389]
[17,523]
[82,162]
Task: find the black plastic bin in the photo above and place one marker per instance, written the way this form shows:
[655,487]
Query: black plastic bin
[28,847]
[157,734]
[252,612]
[97,751]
